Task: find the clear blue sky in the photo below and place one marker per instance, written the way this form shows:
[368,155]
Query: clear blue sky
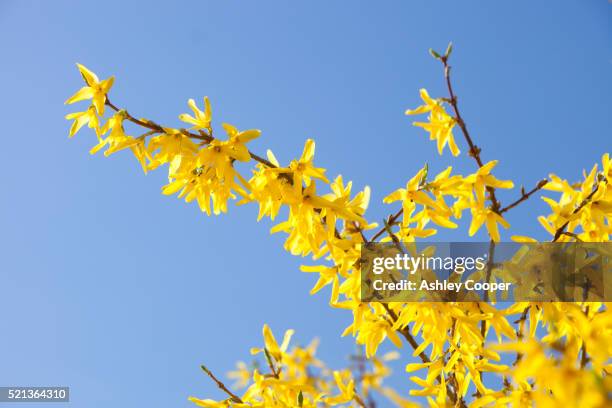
[114,290]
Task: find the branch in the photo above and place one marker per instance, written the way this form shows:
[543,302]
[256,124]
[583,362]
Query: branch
[519,332]
[406,333]
[525,195]
[271,364]
[391,220]
[584,358]
[358,400]
[413,343]
[206,138]
[474,150]
[222,386]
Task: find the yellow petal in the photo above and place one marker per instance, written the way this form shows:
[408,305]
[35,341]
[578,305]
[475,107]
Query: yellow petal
[85,92]
[89,77]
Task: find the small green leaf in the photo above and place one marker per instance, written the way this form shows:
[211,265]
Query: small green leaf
[449,49]
[300,399]
[434,53]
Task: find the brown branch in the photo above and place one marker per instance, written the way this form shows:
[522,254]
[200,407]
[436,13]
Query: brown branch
[222,386]
[413,343]
[206,139]
[406,333]
[474,150]
[275,373]
[519,332]
[147,124]
[393,218]
[358,399]
[525,195]
[360,231]
[584,358]
[475,153]
[199,136]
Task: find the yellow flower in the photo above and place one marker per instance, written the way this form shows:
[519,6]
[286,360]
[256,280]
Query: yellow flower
[303,170]
[562,350]
[95,90]
[584,209]
[201,119]
[306,230]
[347,390]
[267,189]
[491,219]
[235,147]
[483,179]
[272,346]
[167,147]
[412,194]
[242,375]
[207,177]
[81,119]
[440,125]
[117,140]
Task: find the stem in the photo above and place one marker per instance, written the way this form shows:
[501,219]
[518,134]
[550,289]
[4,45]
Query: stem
[525,195]
[519,332]
[200,136]
[391,220]
[222,386]
[413,343]
[206,139]
[406,333]
[358,400]
[474,150]
[584,358]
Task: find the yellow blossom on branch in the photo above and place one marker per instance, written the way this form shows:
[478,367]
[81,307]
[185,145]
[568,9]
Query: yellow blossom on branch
[200,120]
[440,125]
[449,360]
[95,90]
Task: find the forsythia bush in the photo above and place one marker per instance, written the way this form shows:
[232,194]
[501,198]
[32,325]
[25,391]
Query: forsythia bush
[559,352]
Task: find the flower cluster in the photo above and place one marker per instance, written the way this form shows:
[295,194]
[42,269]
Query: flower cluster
[451,362]
[294,377]
[430,198]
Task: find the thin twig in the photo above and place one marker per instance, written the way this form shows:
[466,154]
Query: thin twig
[519,331]
[406,333]
[222,386]
[584,358]
[525,195]
[360,230]
[199,136]
[390,220]
[413,343]
[271,363]
[474,150]
[358,400]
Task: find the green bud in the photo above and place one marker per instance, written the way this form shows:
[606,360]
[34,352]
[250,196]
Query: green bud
[449,49]
[423,179]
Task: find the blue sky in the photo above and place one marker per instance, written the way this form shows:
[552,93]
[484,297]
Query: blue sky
[120,293]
